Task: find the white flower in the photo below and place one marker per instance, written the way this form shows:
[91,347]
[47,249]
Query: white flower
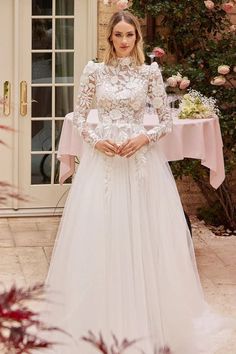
[194,105]
[90,67]
[223,69]
[114,80]
[115,114]
[135,105]
[178,77]
[132,83]
[125,61]
[160,87]
[84,79]
[172,81]
[157,102]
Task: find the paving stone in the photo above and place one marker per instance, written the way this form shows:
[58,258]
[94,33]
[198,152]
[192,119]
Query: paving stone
[26,246]
[23,225]
[7,280]
[34,238]
[47,219]
[3,222]
[48,252]
[47,226]
[34,264]
[6,238]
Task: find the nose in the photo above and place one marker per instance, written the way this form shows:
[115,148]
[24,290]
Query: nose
[124,39]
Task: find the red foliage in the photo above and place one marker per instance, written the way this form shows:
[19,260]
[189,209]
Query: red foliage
[18,322]
[117,348]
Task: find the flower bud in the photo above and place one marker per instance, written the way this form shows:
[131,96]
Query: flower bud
[232,28]
[209,4]
[218,80]
[223,69]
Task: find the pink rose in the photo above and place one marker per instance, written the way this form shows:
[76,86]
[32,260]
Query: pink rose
[218,80]
[171,81]
[223,69]
[232,28]
[209,4]
[122,4]
[228,6]
[159,52]
[185,82]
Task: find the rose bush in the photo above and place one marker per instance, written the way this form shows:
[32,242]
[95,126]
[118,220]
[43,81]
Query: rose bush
[200,44]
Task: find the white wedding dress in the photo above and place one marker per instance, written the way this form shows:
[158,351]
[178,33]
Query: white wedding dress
[123,261]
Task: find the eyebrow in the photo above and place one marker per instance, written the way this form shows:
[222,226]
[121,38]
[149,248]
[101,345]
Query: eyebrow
[126,32]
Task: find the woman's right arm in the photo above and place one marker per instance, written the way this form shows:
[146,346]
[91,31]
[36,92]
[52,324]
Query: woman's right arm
[84,100]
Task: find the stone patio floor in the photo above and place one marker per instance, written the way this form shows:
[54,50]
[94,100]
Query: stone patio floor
[26,246]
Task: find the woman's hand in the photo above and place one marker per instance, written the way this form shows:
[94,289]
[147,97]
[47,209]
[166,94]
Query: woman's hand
[108,147]
[131,146]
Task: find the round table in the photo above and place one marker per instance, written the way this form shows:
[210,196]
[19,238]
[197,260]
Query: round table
[192,138]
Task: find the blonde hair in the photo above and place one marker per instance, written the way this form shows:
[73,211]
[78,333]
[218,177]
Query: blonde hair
[137,52]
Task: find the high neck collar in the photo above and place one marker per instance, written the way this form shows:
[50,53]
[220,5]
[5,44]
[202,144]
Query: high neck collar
[123,61]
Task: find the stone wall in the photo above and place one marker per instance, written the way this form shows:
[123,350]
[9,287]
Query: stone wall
[191,196]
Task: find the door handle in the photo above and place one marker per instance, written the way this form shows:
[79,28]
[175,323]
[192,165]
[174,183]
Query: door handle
[23,98]
[6,98]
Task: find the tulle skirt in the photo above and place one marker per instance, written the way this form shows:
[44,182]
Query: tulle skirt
[123,263]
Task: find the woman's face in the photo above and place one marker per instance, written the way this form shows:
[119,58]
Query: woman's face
[123,38]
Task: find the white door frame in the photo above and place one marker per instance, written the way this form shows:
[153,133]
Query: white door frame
[87,20]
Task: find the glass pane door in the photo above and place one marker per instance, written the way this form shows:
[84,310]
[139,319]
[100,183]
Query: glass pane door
[56,39]
[52,83]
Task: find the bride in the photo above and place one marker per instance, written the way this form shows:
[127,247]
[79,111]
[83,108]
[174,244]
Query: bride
[123,261]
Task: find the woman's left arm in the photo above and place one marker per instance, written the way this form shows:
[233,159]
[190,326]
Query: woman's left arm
[158,98]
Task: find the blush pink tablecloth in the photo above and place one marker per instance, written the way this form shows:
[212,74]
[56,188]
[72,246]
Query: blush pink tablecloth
[193,138]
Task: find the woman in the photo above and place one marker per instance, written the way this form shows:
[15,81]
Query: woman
[124,262]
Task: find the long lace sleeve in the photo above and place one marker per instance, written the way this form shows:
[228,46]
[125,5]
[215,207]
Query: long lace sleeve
[158,98]
[83,103]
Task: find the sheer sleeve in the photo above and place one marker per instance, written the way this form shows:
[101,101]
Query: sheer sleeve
[84,100]
[158,98]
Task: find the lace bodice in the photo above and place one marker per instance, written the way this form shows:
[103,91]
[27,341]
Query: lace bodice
[121,92]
